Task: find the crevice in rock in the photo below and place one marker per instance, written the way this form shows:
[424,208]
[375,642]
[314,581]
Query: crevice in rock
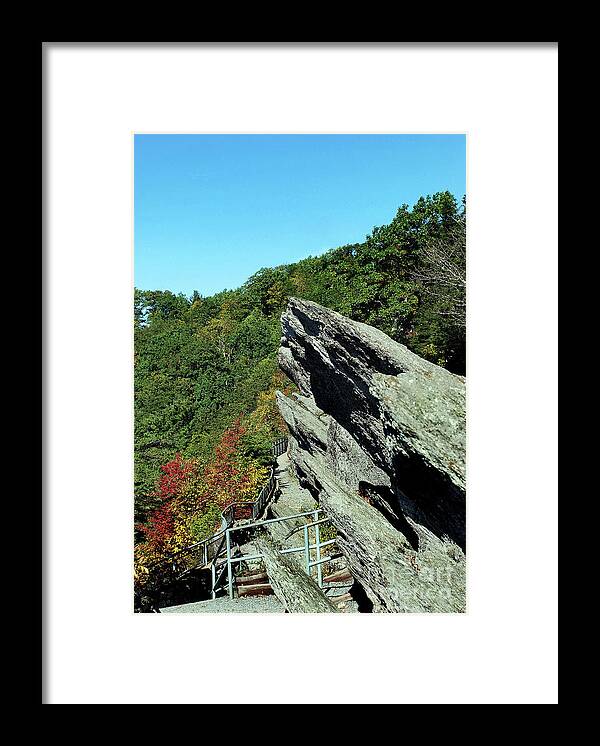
[371,358]
[312,485]
[310,326]
[382,498]
[303,442]
[332,393]
[440,503]
[363,602]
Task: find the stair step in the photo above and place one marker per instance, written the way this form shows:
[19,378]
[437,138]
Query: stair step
[253,579]
[260,589]
[341,599]
[339,576]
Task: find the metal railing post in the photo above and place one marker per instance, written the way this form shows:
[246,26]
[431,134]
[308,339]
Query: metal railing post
[318,551]
[307,550]
[213,574]
[229,572]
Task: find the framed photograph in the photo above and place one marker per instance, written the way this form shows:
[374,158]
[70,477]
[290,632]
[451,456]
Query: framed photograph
[280,412]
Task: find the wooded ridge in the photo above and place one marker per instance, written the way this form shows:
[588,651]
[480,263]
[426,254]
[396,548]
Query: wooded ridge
[206,368]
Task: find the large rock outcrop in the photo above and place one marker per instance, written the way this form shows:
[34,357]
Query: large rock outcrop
[377,434]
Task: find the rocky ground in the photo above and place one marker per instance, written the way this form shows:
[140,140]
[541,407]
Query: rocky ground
[225,605]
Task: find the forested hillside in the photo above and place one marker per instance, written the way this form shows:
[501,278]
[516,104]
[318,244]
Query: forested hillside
[206,372]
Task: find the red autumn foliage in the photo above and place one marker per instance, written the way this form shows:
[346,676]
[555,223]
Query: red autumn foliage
[223,480]
[160,526]
[161,523]
[174,475]
[228,478]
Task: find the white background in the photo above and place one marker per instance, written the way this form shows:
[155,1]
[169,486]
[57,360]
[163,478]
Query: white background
[504,649]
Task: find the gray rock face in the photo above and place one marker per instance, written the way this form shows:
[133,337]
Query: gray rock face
[293,587]
[377,434]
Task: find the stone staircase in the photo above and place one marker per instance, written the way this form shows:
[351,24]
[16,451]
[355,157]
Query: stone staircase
[252,583]
[337,587]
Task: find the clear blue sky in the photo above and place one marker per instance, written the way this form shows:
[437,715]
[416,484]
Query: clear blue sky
[210,210]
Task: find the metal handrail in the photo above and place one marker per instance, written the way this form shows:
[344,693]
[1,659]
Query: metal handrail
[257,508]
[306,548]
[300,528]
[280,446]
[277,520]
[216,579]
[291,550]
